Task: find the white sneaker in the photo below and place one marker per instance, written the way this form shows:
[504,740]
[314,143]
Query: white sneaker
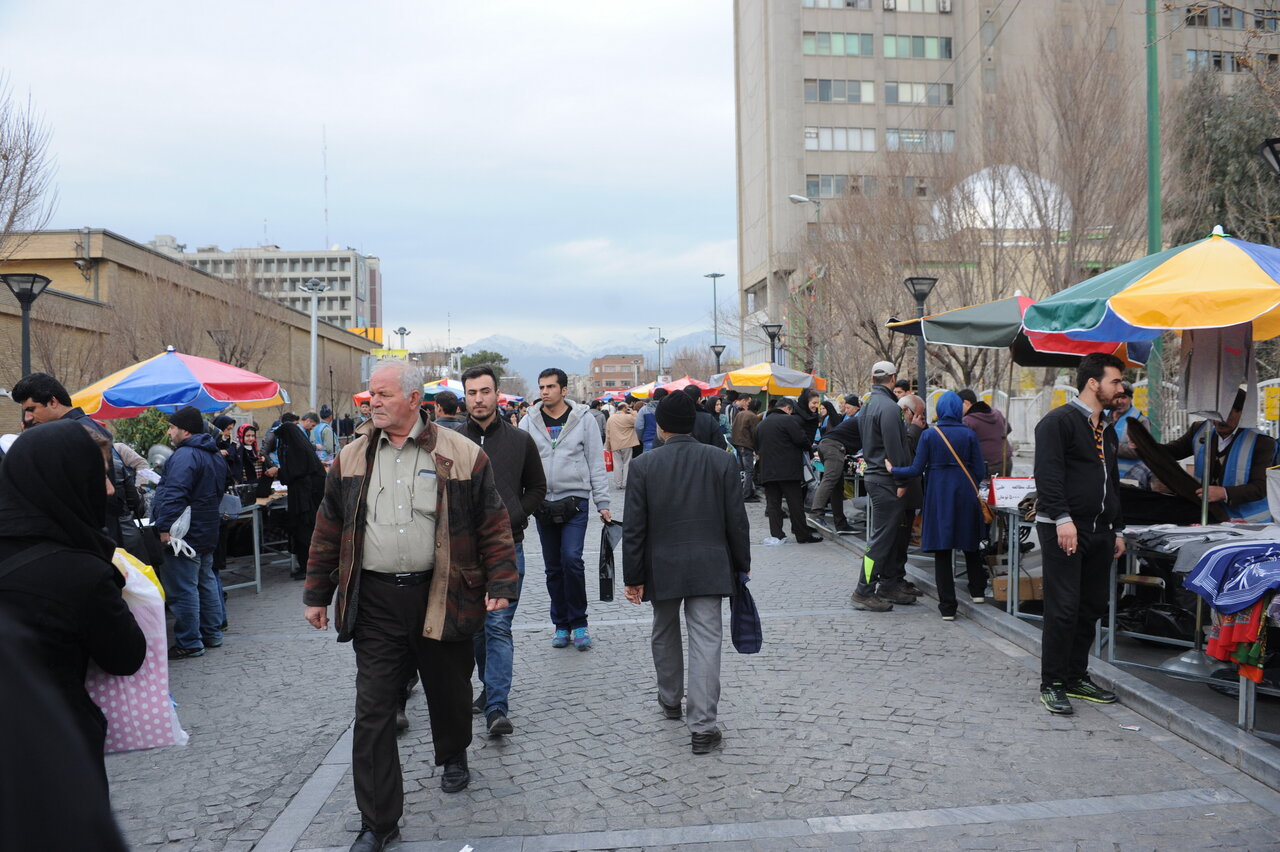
[978,599]
[773,542]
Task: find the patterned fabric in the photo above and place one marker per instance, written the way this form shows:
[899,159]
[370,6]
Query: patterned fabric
[475,554]
[1098,430]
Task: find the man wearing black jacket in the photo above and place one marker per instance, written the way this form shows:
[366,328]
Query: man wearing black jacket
[836,446]
[1079,523]
[518,473]
[706,427]
[782,444]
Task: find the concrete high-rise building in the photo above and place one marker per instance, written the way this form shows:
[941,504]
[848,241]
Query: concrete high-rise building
[825,87]
[353,300]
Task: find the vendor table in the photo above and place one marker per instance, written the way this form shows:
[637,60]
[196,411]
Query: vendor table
[255,512]
[1014,525]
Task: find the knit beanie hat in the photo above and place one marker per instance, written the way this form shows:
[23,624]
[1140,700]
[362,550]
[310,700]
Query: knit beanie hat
[188,419]
[222,421]
[676,414]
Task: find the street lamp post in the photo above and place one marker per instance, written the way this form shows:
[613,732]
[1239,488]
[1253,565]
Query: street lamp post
[661,341]
[403,332]
[315,287]
[920,288]
[715,312]
[635,370]
[773,329]
[717,349]
[26,288]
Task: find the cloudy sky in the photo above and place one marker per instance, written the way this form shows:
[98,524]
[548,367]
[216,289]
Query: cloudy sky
[527,168]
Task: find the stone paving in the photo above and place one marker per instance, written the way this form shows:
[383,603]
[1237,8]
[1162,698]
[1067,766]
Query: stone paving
[850,730]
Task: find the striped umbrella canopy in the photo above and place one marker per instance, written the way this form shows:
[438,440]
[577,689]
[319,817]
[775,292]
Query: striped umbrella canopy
[779,381]
[1211,283]
[172,380]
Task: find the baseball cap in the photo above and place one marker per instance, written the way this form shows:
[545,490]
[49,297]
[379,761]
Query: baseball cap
[883,368]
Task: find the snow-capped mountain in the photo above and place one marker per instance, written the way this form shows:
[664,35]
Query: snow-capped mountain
[528,358]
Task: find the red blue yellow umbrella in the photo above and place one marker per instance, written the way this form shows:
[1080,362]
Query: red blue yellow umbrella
[171,380]
[1211,283]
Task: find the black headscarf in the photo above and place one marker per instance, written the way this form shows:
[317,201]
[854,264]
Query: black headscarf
[52,486]
[296,453]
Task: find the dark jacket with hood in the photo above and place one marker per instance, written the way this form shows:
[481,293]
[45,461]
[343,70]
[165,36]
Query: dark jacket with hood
[517,468]
[991,428]
[196,476]
[52,490]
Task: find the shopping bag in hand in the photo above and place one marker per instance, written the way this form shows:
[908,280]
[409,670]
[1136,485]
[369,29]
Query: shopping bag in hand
[744,618]
[609,538]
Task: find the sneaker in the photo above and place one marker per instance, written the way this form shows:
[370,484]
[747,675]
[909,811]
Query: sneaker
[978,599]
[895,594]
[581,639]
[176,653]
[844,528]
[477,706]
[911,588]
[819,522]
[948,618]
[499,724]
[752,499]
[774,542]
[1087,690]
[213,643]
[561,639]
[1054,699]
[871,603]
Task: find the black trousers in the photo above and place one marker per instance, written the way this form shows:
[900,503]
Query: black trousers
[886,557]
[389,646]
[1075,597]
[944,576]
[793,491]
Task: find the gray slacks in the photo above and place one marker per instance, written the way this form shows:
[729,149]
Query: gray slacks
[702,617]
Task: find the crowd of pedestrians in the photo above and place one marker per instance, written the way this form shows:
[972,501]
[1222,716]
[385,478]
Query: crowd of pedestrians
[407,524]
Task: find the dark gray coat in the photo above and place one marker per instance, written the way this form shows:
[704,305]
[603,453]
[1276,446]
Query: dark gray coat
[781,445]
[685,533]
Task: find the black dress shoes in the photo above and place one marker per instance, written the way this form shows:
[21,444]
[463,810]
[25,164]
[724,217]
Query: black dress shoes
[370,841]
[671,711]
[704,743]
[456,776]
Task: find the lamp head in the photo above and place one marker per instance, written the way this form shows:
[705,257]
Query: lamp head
[920,287]
[798,199]
[718,349]
[1270,151]
[26,286]
[772,329]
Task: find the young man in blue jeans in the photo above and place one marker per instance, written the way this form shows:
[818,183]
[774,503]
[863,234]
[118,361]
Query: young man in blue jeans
[572,453]
[517,471]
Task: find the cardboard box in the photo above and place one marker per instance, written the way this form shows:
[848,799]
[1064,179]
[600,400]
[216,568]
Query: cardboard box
[1029,588]
[1007,491]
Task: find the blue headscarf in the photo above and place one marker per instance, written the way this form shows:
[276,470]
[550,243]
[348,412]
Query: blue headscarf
[950,409]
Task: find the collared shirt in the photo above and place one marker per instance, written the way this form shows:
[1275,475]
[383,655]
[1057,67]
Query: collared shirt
[400,522]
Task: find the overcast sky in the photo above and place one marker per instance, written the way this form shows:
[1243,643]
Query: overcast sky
[528,168]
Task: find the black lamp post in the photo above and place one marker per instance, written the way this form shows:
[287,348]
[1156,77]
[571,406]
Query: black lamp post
[26,287]
[717,349]
[773,329]
[920,288]
[1270,151]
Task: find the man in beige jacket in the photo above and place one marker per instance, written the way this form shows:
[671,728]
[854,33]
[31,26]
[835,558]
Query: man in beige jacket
[620,439]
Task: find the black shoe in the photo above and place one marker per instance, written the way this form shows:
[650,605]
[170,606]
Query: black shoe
[176,653]
[402,720]
[223,625]
[477,706]
[910,588]
[752,499]
[297,575]
[895,594]
[212,643]
[844,528]
[499,724]
[671,711]
[456,776]
[1054,699]
[370,841]
[809,539]
[870,603]
[704,743]
[1087,690]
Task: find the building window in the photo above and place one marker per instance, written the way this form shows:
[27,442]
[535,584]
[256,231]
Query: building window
[933,94]
[837,4]
[818,91]
[1219,60]
[1265,19]
[917,47]
[838,44]
[915,187]
[839,139]
[917,5]
[920,141]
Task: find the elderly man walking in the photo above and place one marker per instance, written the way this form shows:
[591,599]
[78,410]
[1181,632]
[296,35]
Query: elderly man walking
[417,536]
[685,537]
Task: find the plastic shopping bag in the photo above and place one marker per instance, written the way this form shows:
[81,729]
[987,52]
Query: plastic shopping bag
[178,532]
[124,560]
[609,538]
[139,711]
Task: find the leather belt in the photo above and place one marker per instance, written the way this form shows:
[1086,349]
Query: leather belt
[414,578]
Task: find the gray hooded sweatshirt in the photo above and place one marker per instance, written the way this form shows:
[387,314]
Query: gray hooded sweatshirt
[574,462]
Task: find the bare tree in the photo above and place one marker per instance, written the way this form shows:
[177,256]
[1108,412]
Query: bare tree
[697,363]
[27,197]
[149,312]
[245,331]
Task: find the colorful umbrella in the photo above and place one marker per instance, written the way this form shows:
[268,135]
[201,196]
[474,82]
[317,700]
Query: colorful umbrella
[682,383]
[430,389]
[780,381]
[998,325]
[171,380]
[1211,283]
[641,391]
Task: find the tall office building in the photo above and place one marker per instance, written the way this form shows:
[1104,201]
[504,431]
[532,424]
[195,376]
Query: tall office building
[354,297]
[825,87]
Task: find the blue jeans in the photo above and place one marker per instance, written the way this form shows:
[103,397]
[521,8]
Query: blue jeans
[566,575]
[494,649]
[195,599]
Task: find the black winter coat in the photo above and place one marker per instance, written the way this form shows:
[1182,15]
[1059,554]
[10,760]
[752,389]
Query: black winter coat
[517,468]
[706,430]
[686,532]
[196,476]
[781,445]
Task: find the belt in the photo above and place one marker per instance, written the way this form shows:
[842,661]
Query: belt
[413,578]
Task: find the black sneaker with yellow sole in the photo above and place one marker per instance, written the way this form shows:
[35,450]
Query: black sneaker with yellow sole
[1054,698]
[1087,690]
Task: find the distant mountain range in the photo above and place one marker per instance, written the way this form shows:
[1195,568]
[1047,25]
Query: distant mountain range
[528,358]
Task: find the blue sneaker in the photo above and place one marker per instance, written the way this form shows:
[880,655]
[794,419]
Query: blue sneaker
[561,639]
[581,640]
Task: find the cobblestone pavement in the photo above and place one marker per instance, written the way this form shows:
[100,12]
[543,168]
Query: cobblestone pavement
[850,730]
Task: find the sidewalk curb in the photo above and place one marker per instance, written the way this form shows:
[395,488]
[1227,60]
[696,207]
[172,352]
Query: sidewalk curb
[1237,748]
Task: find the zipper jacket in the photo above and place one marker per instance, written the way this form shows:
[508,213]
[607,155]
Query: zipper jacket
[574,461]
[1072,482]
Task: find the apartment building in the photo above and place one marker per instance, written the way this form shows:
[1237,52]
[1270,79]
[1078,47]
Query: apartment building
[824,87]
[354,297]
[614,373]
